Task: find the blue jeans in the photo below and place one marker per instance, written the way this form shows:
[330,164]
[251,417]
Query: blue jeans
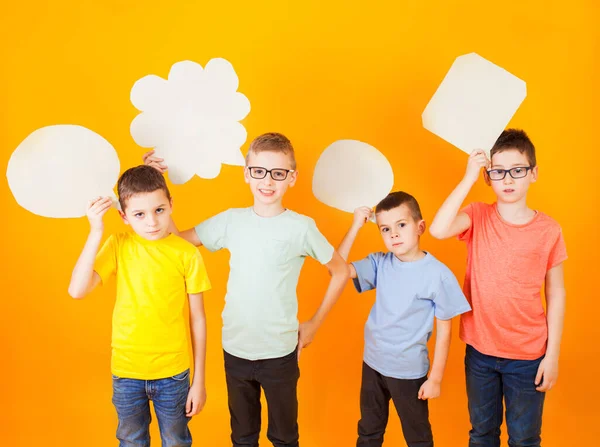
[489,380]
[132,397]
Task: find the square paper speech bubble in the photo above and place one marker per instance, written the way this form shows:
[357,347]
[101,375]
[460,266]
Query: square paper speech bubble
[474,103]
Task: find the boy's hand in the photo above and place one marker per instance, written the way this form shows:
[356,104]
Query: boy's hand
[96,210]
[195,400]
[547,374]
[477,160]
[430,390]
[306,334]
[155,162]
[361,216]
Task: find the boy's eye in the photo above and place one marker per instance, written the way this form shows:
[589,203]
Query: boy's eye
[518,170]
[159,210]
[384,230]
[280,175]
[139,215]
[259,171]
[402,225]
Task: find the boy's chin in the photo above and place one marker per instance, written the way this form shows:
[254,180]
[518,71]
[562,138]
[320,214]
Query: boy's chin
[509,198]
[398,251]
[402,250]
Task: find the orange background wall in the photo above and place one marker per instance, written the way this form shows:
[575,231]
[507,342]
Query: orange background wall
[318,72]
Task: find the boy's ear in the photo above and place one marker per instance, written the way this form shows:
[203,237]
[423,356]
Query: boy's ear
[124,217]
[294,178]
[534,174]
[246,174]
[422,226]
[486,178]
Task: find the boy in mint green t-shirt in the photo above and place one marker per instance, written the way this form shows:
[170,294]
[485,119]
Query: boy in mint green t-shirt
[262,339]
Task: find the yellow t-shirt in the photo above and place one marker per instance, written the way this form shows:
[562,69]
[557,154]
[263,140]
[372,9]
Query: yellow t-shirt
[149,334]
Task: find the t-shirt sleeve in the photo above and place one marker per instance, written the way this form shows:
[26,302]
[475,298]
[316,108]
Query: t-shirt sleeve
[213,232]
[558,253]
[366,272]
[449,300]
[316,245]
[469,210]
[106,259]
[196,278]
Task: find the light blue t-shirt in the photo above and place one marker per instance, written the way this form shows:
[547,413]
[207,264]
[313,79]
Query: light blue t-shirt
[267,253]
[409,295]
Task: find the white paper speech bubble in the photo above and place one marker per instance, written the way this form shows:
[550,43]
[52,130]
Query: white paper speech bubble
[191,119]
[474,103]
[57,170]
[350,174]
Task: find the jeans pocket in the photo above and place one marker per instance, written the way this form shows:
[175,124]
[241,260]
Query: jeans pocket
[290,364]
[185,375]
[292,355]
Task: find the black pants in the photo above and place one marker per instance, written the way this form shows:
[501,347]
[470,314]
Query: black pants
[375,393]
[279,379]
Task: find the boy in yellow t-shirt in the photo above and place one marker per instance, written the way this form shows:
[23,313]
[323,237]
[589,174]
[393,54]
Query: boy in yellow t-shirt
[155,271]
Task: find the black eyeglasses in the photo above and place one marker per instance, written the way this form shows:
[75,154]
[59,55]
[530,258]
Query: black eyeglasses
[518,172]
[277,174]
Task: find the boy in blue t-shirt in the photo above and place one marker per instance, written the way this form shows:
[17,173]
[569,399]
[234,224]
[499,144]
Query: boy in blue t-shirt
[413,287]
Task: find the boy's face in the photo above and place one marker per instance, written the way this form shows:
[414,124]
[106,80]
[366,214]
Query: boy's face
[149,214]
[509,189]
[399,230]
[268,191]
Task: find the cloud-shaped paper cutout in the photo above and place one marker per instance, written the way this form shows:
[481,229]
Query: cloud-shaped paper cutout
[474,103]
[192,119]
[56,170]
[350,174]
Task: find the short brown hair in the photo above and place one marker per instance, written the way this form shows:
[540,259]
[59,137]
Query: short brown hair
[399,198]
[274,142]
[139,180]
[515,139]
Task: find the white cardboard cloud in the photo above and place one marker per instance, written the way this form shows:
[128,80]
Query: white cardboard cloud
[57,170]
[474,103]
[192,119]
[350,174]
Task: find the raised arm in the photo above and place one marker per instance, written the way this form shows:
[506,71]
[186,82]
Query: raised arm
[361,216]
[448,222]
[190,235]
[158,163]
[84,279]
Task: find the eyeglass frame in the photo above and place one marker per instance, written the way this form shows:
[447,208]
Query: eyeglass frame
[268,172]
[508,171]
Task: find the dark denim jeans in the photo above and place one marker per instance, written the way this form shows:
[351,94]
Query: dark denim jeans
[132,397]
[375,393]
[489,381]
[279,379]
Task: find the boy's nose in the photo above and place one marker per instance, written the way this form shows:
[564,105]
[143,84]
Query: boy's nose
[508,179]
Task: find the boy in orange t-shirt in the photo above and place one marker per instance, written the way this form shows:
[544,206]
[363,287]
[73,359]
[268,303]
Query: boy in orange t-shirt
[512,344]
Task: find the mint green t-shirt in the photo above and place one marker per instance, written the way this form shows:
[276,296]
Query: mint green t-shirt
[260,316]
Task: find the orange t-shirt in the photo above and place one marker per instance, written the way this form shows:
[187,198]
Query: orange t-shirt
[506,269]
